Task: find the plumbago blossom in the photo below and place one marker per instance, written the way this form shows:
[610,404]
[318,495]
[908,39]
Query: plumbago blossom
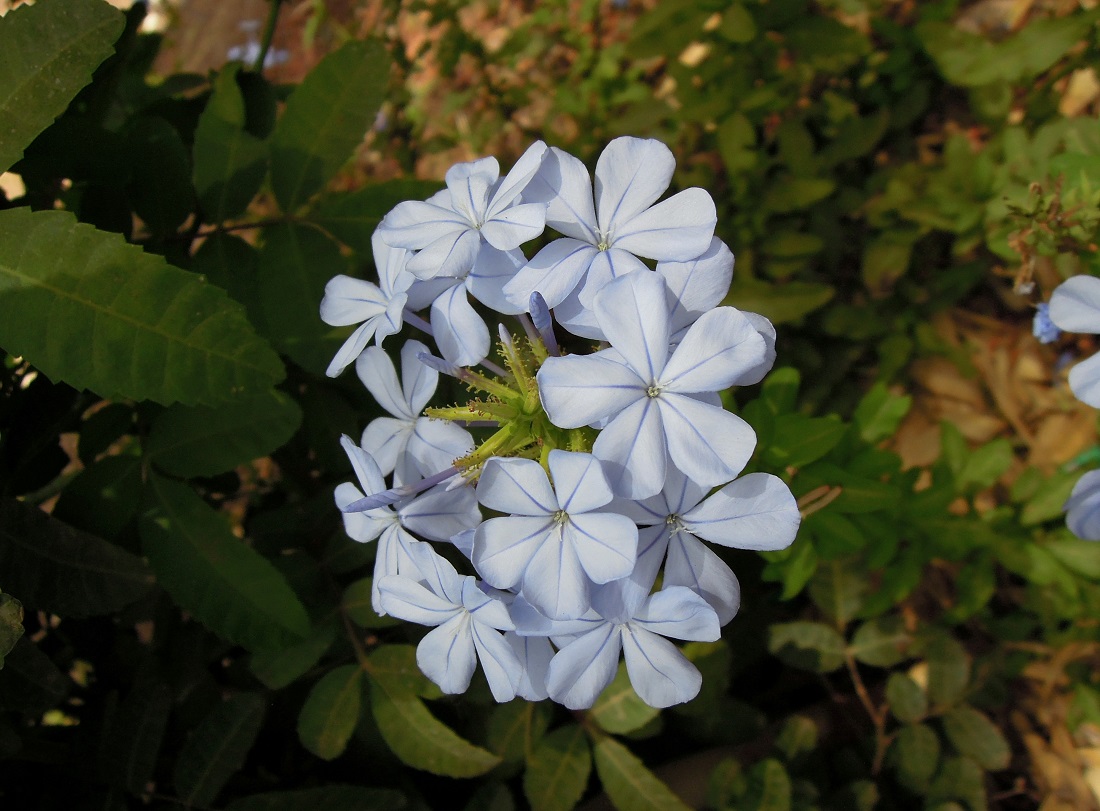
[529,526]
[1075,307]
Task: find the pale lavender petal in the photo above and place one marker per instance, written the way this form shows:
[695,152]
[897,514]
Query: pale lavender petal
[697,285]
[418,381]
[439,514]
[489,610]
[606,544]
[492,271]
[386,440]
[366,468]
[469,185]
[633,450]
[714,353]
[563,182]
[438,574]
[633,315]
[364,526]
[502,667]
[580,389]
[451,255]
[415,225]
[505,546]
[679,612]
[350,301]
[390,263]
[574,317]
[710,445]
[659,673]
[1083,507]
[678,229]
[464,542]
[517,486]
[423,292]
[352,348]
[512,227]
[403,597]
[756,512]
[446,654]
[462,336]
[692,564]
[579,481]
[554,272]
[1084,380]
[653,542]
[606,267]
[517,179]
[1075,305]
[580,671]
[631,174]
[435,444]
[534,654]
[376,370]
[554,581]
[767,332]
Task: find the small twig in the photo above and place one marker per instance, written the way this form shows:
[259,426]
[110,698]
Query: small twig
[877,714]
[269,35]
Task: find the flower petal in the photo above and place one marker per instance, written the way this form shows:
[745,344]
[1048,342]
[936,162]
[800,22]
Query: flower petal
[554,581]
[502,667]
[512,227]
[633,450]
[580,671]
[659,673]
[461,335]
[418,380]
[754,375]
[505,546]
[1075,305]
[714,353]
[692,564]
[679,228]
[435,444]
[390,262]
[440,513]
[1083,507]
[365,467]
[387,439]
[352,348]
[680,613]
[517,179]
[350,301]
[631,174]
[562,182]
[376,370]
[554,272]
[517,486]
[1084,380]
[756,512]
[534,654]
[574,317]
[446,655]
[579,390]
[709,444]
[697,285]
[415,224]
[451,255]
[364,526]
[634,317]
[469,185]
[492,271]
[579,481]
[606,267]
[606,544]
[409,600]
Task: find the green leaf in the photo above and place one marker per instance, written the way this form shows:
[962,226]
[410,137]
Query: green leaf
[216,749]
[948,671]
[629,784]
[907,700]
[48,51]
[359,606]
[1082,558]
[769,787]
[228,262]
[800,440]
[788,193]
[230,163]
[352,216]
[986,464]
[960,778]
[160,179]
[104,498]
[1049,499]
[838,590]
[192,441]
[515,728]
[331,712]
[779,302]
[326,117]
[557,770]
[64,571]
[229,587]
[915,754]
[879,413]
[395,665]
[278,668]
[835,536]
[86,308]
[418,738]
[618,708]
[881,642]
[885,261]
[133,731]
[807,645]
[325,798]
[11,624]
[971,733]
[296,262]
[737,143]
[799,736]
[737,25]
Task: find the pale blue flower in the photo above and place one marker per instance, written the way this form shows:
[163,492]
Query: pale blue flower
[554,541]
[755,512]
[468,621]
[407,444]
[436,514]
[477,208]
[1042,327]
[1075,307]
[378,306]
[1083,507]
[604,239]
[650,396]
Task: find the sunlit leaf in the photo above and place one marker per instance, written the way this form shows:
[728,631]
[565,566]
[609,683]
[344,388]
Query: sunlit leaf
[557,770]
[629,784]
[84,307]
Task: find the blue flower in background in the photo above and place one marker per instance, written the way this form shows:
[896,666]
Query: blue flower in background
[1042,327]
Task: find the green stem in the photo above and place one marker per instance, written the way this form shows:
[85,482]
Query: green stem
[269,35]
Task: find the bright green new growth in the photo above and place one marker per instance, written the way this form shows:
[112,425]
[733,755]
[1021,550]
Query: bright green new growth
[512,402]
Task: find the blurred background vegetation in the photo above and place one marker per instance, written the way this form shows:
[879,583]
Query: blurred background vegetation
[901,182]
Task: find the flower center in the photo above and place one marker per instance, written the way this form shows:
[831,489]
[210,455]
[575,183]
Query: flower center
[561,517]
[675,524]
[653,391]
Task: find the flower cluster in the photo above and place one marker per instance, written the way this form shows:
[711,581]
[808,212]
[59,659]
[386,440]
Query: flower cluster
[1075,307]
[601,471]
